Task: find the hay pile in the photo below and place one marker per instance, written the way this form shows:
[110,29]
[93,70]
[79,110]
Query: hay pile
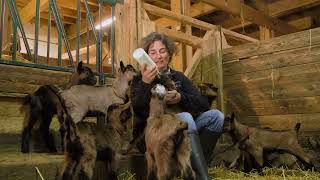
[269,174]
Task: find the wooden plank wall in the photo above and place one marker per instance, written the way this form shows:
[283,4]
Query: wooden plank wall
[276,83]
[22,80]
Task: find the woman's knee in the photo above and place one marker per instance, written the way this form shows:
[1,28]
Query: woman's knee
[217,120]
[187,117]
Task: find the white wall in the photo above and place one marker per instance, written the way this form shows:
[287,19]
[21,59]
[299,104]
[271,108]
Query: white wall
[42,44]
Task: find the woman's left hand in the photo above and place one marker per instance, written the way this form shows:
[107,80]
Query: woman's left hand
[172,97]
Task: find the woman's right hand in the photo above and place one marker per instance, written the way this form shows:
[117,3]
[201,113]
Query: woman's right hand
[148,74]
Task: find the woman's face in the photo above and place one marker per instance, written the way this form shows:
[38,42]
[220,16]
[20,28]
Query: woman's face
[159,54]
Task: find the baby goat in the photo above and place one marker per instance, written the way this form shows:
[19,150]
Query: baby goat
[44,103]
[87,142]
[168,147]
[81,99]
[255,141]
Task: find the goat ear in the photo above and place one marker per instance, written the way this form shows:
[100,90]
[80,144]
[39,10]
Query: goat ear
[79,68]
[122,67]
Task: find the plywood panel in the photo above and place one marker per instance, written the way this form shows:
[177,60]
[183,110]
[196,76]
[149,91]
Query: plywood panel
[291,41]
[275,60]
[304,85]
[309,122]
[247,107]
[280,75]
[17,79]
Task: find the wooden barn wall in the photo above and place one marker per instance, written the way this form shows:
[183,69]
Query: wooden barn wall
[276,83]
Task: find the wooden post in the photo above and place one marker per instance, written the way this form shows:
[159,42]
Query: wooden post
[177,60]
[265,33]
[126,28]
[219,47]
[187,50]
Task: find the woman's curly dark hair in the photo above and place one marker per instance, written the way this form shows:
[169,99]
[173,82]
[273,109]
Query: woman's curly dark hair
[155,36]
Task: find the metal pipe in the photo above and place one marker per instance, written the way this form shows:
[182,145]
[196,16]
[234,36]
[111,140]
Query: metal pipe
[89,16]
[59,48]
[78,31]
[36,31]
[99,48]
[15,15]
[88,41]
[60,27]
[49,33]
[14,39]
[113,38]
[2,25]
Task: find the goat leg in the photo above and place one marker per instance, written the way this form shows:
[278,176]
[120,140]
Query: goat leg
[150,166]
[26,134]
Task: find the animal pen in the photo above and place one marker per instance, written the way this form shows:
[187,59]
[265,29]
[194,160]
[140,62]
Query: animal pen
[262,58]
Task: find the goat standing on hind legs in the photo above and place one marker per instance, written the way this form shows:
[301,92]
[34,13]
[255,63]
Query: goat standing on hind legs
[44,103]
[86,143]
[168,147]
[255,141]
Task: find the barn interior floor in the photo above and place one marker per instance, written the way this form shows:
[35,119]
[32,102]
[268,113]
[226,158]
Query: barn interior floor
[16,165]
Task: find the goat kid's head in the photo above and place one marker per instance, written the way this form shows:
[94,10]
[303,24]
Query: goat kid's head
[126,72]
[84,75]
[158,91]
[236,130]
[166,81]
[229,123]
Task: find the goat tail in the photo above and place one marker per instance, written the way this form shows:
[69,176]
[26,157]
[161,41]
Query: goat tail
[297,127]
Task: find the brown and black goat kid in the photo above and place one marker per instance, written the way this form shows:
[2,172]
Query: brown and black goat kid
[168,148]
[43,104]
[81,99]
[86,143]
[255,141]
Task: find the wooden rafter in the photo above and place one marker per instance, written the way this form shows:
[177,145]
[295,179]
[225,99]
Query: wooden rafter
[197,9]
[28,12]
[44,15]
[276,9]
[237,8]
[194,22]
[181,37]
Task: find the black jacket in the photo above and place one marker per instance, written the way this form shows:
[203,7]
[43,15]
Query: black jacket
[191,99]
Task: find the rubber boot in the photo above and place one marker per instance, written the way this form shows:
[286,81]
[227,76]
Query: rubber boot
[208,140]
[197,158]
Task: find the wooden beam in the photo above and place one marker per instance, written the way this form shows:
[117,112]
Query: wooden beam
[237,8]
[196,57]
[177,61]
[284,7]
[276,9]
[73,5]
[29,11]
[181,37]
[68,13]
[265,33]
[178,17]
[44,15]
[192,21]
[302,24]
[186,10]
[197,9]
[238,36]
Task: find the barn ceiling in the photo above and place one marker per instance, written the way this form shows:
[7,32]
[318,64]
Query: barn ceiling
[247,17]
